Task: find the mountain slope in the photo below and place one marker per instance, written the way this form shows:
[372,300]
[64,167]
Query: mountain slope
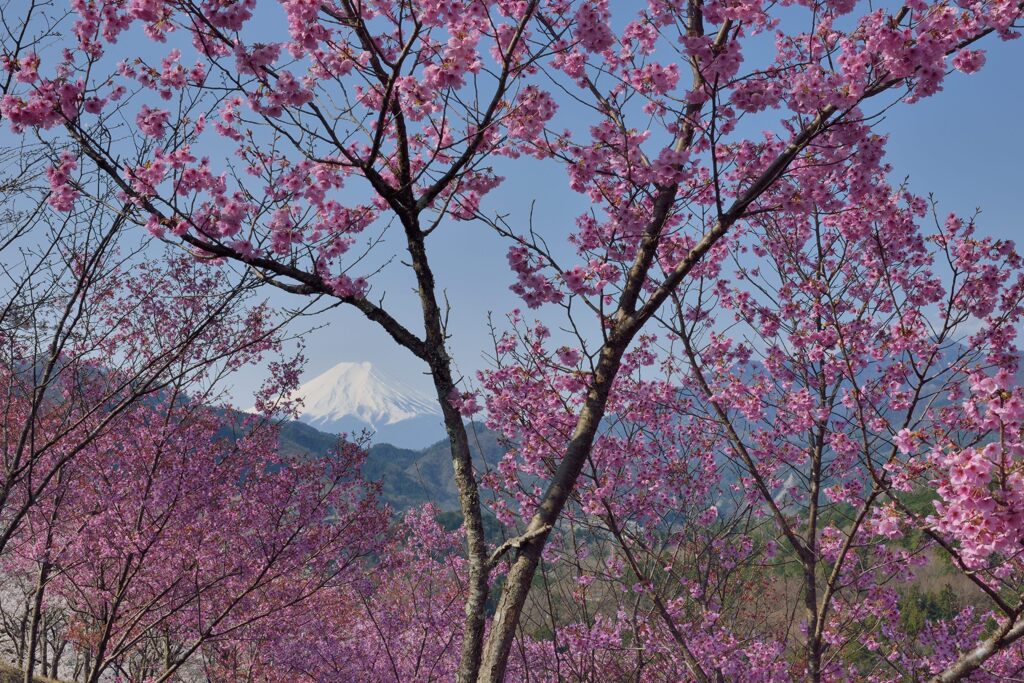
[409,478]
[352,397]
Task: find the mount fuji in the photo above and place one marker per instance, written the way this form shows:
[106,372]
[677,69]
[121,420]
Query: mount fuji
[351,397]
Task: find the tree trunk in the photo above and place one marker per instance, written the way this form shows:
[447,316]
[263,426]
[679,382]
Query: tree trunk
[36,619]
[462,461]
[971,661]
[524,566]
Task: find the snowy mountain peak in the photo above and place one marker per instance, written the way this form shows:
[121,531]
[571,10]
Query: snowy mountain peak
[361,391]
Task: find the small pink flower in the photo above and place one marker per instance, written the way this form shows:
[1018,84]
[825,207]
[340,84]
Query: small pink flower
[464,402]
[969,61]
[62,193]
[152,122]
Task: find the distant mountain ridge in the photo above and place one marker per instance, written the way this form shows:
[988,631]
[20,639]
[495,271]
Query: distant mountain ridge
[410,455]
[353,397]
[409,477]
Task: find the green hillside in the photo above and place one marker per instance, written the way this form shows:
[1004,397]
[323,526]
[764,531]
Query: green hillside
[409,478]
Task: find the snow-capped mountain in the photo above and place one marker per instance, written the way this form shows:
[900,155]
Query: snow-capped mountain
[351,397]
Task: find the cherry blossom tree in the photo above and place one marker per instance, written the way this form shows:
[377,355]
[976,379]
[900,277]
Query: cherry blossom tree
[91,331]
[418,92]
[673,189]
[805,399]
[126,349]
[146,560]
[858,339]
[398,622]
[178,529]
[366,113]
